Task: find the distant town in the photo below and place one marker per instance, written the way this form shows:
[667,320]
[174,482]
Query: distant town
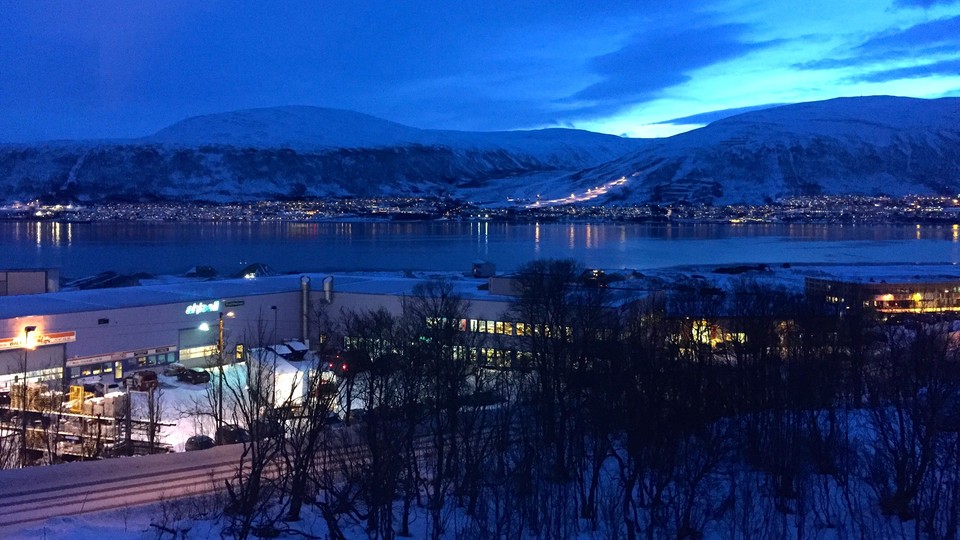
[854,209]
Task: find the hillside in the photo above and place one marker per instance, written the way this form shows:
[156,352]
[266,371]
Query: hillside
[869,145]
[294,152]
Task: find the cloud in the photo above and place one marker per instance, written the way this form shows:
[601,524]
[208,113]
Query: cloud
[944,68]
[922,3]
[713,116]
[938,37]
[654,60]
[126,69]
[923,36]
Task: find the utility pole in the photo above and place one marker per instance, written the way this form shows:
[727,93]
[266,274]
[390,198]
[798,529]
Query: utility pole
[23,396]
[220,348]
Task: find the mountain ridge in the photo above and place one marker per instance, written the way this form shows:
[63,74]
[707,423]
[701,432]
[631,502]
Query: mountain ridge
[867,145]
[871,145]
[293,152]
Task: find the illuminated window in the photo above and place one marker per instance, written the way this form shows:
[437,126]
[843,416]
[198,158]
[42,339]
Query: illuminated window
[198,352]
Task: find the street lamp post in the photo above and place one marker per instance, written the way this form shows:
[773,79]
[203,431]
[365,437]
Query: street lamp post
[221,347]
[23,395]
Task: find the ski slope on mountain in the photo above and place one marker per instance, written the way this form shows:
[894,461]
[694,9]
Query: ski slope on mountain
[870,145]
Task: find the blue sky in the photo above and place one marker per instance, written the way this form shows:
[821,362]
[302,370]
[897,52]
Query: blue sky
[125,68]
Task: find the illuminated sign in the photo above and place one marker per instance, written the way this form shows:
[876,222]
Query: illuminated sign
[37,339]
[198,308]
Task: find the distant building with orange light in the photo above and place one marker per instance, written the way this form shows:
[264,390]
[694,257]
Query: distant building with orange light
[916,295]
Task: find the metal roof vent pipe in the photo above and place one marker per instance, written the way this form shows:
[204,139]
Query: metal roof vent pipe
[305,310]
[328,289]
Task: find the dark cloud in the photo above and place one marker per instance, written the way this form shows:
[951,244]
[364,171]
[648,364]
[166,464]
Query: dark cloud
[656,59]
[116,68]
[713,116]
[923,3]
[937,37]
[426,63]
[938,33]
[945,68]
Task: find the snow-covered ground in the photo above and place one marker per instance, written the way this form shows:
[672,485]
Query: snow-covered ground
[201,518]
[847,512]
[198,518]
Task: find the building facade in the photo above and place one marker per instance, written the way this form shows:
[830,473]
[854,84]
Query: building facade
[901,296]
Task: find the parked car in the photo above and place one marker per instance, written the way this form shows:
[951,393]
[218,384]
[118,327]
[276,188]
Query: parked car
[271,424]
[173,370]
[232,434]
[143,381]
[198,442]
[193,376]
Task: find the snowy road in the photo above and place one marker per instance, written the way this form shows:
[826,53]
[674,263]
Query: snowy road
[38,493]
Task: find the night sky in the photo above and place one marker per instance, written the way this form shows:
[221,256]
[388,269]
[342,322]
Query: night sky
[100,69]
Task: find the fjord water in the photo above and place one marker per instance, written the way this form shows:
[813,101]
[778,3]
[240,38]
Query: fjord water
[81,249]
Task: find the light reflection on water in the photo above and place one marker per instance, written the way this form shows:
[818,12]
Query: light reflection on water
[86,248]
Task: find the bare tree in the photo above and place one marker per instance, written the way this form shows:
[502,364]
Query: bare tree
[373,380]
[155,413]
[305,428]
[910,395]
[432,318]
[252,395]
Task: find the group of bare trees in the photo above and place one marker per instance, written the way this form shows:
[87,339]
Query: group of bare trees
[739,412]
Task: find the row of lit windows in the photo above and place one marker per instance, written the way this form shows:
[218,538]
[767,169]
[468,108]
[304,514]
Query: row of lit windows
[117,368]
[490,327]
[95,369]
[491,357]
[208,351]
[6,381]
[363,343]
[487,356]
[504,328]
[156,359]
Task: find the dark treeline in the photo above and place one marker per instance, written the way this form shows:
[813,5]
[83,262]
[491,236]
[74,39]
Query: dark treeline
[740,412]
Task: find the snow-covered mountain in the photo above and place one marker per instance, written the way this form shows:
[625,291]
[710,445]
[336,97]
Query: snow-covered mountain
[295,151]
[865,145]
[868,145]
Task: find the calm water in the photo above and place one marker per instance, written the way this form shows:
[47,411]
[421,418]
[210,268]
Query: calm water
[172,248]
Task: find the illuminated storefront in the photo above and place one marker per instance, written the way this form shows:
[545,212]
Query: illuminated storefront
[33,355]
[105,335]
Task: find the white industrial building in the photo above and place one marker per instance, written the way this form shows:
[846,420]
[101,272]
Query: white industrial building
[109,333]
